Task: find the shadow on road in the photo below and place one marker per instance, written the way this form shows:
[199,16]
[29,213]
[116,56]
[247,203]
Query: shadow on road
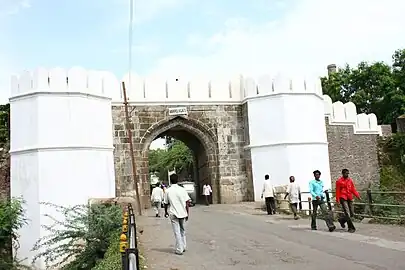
[164,250]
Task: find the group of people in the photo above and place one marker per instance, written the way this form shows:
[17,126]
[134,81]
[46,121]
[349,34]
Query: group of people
[345,191]
[176,203]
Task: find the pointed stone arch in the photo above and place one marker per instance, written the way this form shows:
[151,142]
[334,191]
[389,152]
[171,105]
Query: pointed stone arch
[204,134]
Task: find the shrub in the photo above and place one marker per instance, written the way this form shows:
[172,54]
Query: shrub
[392,162]
[12,219]
[81,239]
[112,258]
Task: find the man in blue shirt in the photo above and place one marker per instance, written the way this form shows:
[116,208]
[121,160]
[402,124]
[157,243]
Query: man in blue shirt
[318,200]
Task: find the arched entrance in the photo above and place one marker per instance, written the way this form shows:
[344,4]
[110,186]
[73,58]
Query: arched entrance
[199,139]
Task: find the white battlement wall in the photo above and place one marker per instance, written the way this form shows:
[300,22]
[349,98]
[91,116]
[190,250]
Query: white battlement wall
[346,114]
[61,130]
[61,145]
[287,131]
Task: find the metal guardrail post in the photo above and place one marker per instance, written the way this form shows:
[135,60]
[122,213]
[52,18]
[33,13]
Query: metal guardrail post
[370,202]
[123,247]
[129,247]
[327,195]
[370,213]
[300,204]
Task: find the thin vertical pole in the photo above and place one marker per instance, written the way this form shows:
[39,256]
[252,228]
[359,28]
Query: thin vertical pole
[131,149]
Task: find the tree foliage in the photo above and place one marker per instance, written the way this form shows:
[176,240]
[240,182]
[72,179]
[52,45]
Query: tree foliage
[177,156]
[12,218]
[392,162]
[375,88]
[4,124]
[81,240]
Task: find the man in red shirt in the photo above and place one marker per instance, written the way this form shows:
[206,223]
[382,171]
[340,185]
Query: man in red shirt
[345,190]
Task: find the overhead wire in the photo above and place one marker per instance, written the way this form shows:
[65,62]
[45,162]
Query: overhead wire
[130,37]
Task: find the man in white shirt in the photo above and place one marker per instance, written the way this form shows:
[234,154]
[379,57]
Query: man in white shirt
[157,199]
[294,193]
[207,192]
[268,194]
[177,204]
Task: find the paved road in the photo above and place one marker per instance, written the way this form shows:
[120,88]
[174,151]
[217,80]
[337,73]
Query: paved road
[237,237]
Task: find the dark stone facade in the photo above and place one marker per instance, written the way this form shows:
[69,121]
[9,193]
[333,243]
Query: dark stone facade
[356,152]
[219,128]
[223,132]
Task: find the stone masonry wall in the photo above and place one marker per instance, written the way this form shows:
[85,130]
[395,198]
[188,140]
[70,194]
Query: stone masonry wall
[218,127]
[356,152]
[249,196]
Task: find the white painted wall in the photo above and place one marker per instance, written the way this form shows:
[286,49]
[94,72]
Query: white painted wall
[287,133]
[61,146]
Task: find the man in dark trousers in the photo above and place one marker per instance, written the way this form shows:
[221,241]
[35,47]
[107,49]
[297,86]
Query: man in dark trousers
[345,190]
[318,200]
[268,194]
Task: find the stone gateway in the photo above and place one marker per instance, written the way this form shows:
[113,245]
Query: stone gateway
[239,130]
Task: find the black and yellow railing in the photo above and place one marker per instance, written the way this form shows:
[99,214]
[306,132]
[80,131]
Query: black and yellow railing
[128,241]
[370,206]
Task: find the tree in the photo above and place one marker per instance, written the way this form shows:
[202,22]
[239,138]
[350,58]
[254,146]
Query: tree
[81,239]
[177,156]
[4,124]
[374,88]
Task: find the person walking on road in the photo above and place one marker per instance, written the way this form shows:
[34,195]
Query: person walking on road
[207,191]
[268,194]
[345,190]
[157,199]
[318,200]
[177,205]
[294,193]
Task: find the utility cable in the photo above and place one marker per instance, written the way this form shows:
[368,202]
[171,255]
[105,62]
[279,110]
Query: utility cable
[130,37]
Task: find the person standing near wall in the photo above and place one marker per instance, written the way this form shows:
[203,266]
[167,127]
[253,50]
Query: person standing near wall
[345,190]
[268,194]
[294,193]
[318,200]
[207,191]
[177,205]
[157,199]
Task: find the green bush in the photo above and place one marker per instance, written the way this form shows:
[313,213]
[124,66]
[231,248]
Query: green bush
[12,218]
[112,258]
[392,176]
[81,239]
[392,162]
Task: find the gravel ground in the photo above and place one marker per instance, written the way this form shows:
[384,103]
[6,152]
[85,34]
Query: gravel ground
[239,237]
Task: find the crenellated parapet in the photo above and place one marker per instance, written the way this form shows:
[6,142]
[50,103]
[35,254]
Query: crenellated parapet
[155,89]
[268,85]
[197,90]
[340,113]
[74,80]
[139,90]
